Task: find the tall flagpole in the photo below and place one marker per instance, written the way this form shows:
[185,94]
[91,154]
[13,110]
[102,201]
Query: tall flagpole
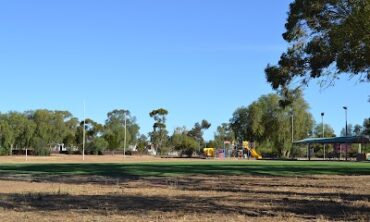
[84,135]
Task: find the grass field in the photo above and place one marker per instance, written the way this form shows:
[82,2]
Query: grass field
[183,190]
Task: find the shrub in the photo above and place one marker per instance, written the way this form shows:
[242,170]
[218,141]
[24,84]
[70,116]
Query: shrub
[185,144]
[98,146]
[41,151]
[4,151]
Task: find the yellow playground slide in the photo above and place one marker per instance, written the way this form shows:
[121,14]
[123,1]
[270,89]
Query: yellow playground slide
[255,154]
[253,151]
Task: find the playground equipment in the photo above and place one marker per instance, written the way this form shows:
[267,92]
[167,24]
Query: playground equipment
[209,152]
[214,153]
[228,149]
[231,150]
[249,148]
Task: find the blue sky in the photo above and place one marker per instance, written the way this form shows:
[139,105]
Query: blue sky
[198,59]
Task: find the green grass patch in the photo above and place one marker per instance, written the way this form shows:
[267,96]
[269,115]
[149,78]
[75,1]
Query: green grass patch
[271,168]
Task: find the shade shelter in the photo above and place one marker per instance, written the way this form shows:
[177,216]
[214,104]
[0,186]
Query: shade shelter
[334,140]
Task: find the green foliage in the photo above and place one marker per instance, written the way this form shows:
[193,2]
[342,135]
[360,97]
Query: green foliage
[266,148]
[319,149]
[212,144]
[265,121]
[41,151]
[7,137]
[39,143]
[92,131]
[327,38]
[16,130]
[159,115]
[115,129]
[97,146]
[50,125]
[224,133]
[142,144]
[328,131]
[4,151]
[71,132]
[366,127]
[184,143]
[198,130]
[159,134]
[357,130]
[350,131]
[41,130]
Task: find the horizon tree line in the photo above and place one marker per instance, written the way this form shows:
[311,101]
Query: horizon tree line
[265,121]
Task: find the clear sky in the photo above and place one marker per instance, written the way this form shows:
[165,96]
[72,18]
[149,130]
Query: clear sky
[200,59]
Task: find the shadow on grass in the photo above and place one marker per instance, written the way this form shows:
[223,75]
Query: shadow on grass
[229,199]
[177,169]
[138,205]
[310,195]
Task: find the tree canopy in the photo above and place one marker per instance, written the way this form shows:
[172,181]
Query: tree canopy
[183,142]
[328,131]
[43,129]
[197,131]
[366,127]
[327,38]
[115,129]
[269,124]
[224,133]
[159,134]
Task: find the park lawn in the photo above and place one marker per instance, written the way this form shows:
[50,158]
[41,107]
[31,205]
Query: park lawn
[190,190]
[183,168]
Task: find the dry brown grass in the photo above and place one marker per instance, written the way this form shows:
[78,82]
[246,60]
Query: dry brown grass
[185,198]
[178,198]
[60,158]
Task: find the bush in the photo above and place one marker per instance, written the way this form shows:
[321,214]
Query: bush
[4,151]
[41,151]
[185,144]
[163,151]
[365,148]
[187,152]
[97,146]
[298,152]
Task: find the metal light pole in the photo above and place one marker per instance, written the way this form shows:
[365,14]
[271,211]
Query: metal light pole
[124,145]
[84,135]
[292,126]
[345,111]
[323,132]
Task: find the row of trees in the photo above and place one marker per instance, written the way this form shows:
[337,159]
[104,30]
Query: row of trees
[43,129]
[274,126]
[183,141]
[270,125]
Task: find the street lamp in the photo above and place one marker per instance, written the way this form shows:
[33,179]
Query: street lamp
[345,111]
[292,114]
[84,134]
[124,145]
[323,131]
